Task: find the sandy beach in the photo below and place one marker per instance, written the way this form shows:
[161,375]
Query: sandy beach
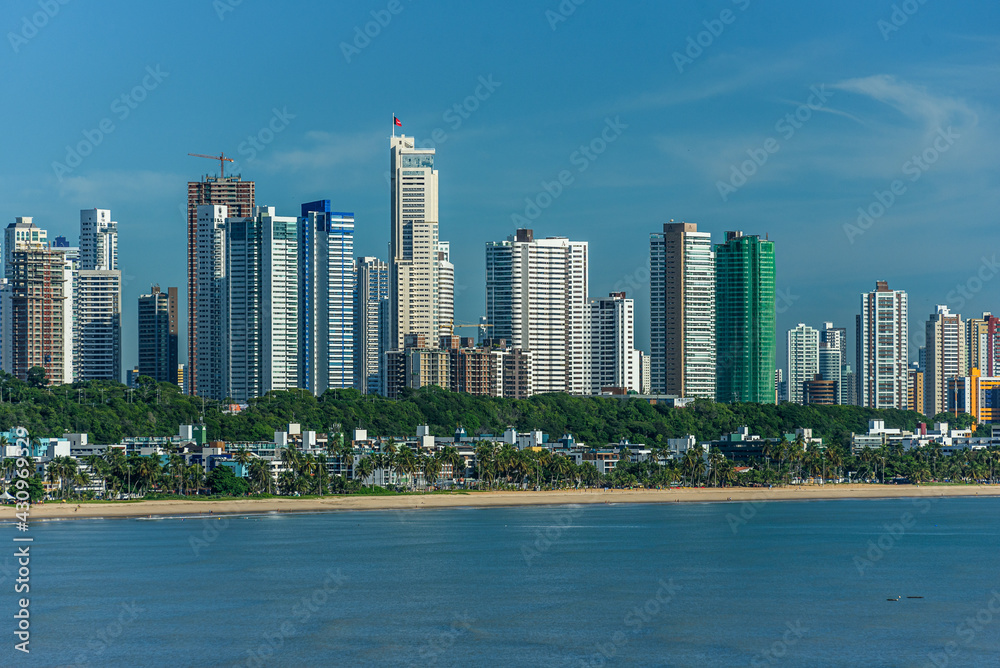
[68,510]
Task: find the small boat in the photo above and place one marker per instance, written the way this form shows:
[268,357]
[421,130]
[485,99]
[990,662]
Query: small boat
[914,597]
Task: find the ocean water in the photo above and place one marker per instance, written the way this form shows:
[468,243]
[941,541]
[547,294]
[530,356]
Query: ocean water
[732,584]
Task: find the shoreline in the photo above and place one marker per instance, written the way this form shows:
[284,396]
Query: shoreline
[487,499]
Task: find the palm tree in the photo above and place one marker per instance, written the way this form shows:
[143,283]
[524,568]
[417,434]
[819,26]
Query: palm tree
[432,469]
[176,468]
[307,470]
[715,462]
[449,456]
[692,464]
[365,468]
[196,477]
[407,463]
[260,476]
[562,467]
[484,462]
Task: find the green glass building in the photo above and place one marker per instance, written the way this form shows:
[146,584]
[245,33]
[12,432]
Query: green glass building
[744,320]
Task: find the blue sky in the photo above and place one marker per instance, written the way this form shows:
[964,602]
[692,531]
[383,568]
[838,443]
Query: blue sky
[693,91]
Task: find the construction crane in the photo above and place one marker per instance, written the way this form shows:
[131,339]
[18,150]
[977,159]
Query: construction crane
[221,158]
[461,325]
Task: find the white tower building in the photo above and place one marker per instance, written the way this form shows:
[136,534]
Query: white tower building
[803,359]
[883,378]
[549,313]
[413,243]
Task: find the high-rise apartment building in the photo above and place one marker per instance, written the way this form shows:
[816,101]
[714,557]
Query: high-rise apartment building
[803,359]
[371,292]
[413,243]
[745,319]
[327,335]
[499,255]
[99,325]
[96,297]
[98,240]
[22,234]
[882,348]
[837,338]
[446,289]
[615,363]
[982,343]
[946,358]
[831,369]
[34,312]
[237,196]
[549,315]
[209,290]
[158,335]
[682,311]
[261,312]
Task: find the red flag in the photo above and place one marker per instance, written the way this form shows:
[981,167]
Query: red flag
[397,121]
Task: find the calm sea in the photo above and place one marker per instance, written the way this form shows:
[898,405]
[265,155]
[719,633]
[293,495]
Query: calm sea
[767,584]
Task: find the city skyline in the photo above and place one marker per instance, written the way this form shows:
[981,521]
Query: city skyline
[887,93]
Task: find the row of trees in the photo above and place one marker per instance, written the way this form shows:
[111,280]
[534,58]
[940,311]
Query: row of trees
[110,411]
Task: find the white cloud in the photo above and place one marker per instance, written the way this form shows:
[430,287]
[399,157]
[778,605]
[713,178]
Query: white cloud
[913,101]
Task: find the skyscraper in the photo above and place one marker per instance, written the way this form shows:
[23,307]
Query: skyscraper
[682,311]
[22,234]
[549,315]
[446,289]
[946,358]
[882,349]
[34,311]
[499,255]
[207,316]
[803,359]
[371,292]
[238,198]
[99,325]
[96,293]
[413,242]
[261,304]
[982,344]
[745,319]
[830,368]
[837,338]
[326,296]
[614,360]
[158,335]
[98,240]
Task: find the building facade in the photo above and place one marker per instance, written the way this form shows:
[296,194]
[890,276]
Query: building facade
[803,359]
[549,315]
[371,294]
[682,311]
[34,310]
[158,335]
[413,242]
[207,308]
[882,349]
[98,325]
[446,289]
[98,240]
[237,196]
[261,304]
[326,345]
[745,319]
[615,363]
[946,358]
